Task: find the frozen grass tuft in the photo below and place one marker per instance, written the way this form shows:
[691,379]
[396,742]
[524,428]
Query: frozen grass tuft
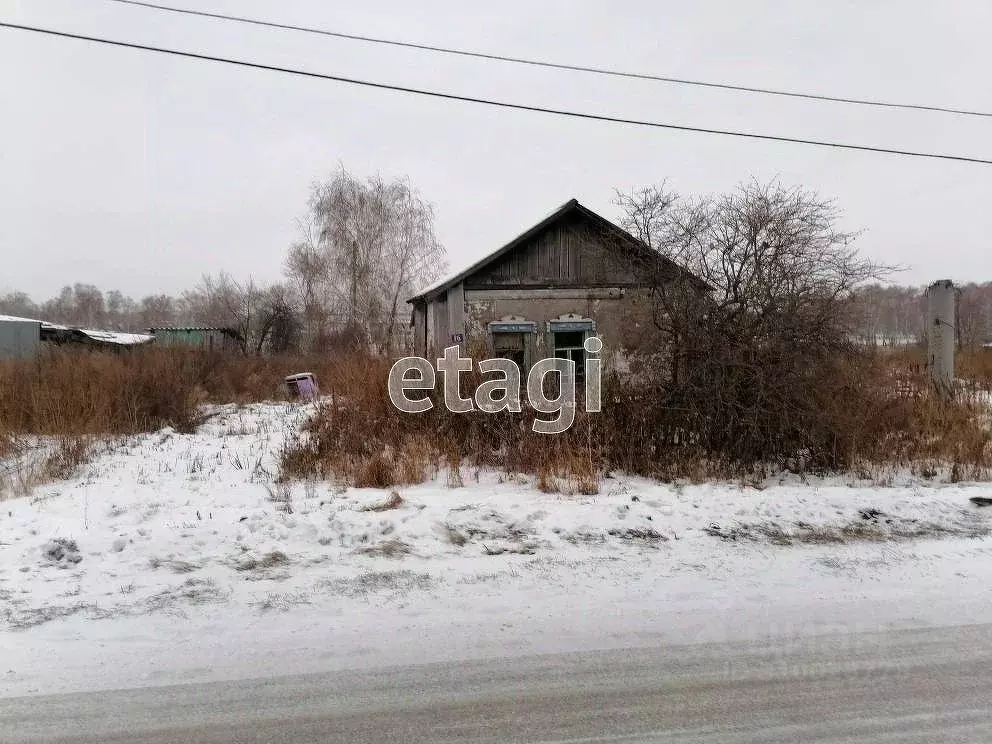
[272,559]
[393,548]
[61,552]
[22,619]
[175,565]
[390,584]
[281,602]
[191,592]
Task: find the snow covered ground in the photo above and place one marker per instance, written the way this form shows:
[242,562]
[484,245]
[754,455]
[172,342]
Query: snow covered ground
[180,557]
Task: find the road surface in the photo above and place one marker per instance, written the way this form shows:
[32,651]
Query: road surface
[928,685]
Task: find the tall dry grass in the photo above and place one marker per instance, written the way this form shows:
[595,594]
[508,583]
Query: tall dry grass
[875,416]
[887,416]
[868,417]
[974,367]
[87,392]
[76,398]
[361,437]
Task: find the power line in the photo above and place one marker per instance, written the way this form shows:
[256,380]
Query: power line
[492,102]
[557,65]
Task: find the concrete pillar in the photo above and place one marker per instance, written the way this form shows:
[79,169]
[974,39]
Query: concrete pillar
[941,335]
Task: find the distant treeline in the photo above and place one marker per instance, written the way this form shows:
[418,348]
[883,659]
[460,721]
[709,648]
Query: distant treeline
[891,315]
[897,314]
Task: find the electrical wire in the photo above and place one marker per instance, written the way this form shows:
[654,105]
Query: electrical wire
[495,103]
[556,65]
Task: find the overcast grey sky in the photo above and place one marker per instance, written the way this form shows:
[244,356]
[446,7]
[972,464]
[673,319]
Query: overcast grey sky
[141,172]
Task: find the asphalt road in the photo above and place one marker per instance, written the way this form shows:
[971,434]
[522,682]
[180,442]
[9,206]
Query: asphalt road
[932,685]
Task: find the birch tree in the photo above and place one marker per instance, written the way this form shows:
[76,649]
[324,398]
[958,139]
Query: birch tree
[367,245]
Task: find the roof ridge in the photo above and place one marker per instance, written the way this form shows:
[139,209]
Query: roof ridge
[558,213]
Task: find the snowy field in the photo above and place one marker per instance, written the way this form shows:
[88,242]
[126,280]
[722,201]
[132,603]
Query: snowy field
[181,558]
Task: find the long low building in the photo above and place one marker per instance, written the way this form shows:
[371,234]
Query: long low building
[22,338]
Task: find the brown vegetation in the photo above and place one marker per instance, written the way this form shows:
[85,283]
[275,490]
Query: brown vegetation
[78,396]
[868,417]
[76,391]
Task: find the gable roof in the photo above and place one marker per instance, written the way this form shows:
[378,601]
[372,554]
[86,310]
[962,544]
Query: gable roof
[572,206]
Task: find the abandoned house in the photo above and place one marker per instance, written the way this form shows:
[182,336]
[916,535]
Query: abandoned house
[571,276]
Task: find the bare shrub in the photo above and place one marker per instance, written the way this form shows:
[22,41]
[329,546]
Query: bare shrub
[754,352]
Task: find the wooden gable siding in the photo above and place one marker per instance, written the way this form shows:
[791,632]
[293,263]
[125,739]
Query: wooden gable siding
[569,252]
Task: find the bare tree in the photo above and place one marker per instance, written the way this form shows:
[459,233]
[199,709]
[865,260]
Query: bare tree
[264,318]
[158,310]
[19,304]
[120,310]
[308,273]
[81,305]
[282,321]
[748,352]
[974,315]
[223,302]
[375,242]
